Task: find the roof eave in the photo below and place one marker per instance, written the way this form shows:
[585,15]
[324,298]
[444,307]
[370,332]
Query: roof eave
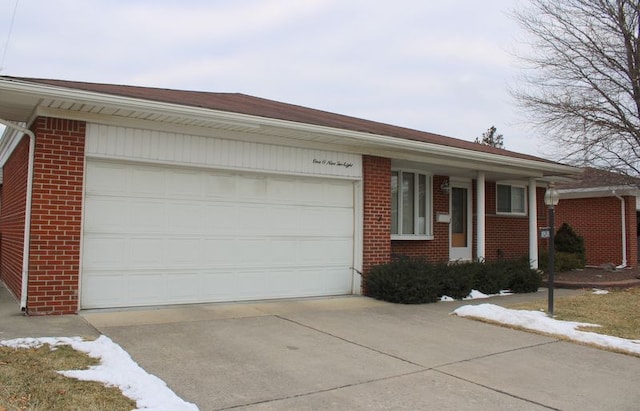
[40,91]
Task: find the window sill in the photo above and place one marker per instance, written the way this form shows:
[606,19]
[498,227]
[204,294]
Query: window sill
[411,237]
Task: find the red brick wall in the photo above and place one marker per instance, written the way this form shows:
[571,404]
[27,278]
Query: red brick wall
[377,211]
[12,210]
[436,250]
[505,235]
[54,262]
[598,220]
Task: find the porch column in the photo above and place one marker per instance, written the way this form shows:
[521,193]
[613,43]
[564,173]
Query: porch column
[533,225]
[480,213]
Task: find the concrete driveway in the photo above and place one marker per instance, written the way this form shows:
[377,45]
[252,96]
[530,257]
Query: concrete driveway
[355,353]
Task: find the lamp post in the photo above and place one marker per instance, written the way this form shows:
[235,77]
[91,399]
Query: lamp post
[551,198]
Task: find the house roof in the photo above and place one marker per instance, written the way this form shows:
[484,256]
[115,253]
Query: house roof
[595,182]
[25,95]
[594,177]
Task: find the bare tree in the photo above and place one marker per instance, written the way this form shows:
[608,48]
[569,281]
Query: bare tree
[581,85]
[491,138]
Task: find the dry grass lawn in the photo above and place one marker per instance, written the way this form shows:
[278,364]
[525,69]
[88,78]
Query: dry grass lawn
[617,313]
[29,381]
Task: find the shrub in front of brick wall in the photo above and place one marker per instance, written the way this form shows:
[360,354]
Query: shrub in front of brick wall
[521,277]
[411,280]
[457,279]
[491,277]
[563,261]
[405,280]
[568,241]
[513,274]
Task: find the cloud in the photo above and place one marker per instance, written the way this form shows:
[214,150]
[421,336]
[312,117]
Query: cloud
[435,66]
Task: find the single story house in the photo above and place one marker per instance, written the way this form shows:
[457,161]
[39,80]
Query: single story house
[120,196]
[602,207]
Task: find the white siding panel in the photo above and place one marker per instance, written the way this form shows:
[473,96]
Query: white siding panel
[145,145]
[170,235]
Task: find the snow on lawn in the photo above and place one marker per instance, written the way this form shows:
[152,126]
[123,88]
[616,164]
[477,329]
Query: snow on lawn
[539,321]
[116,368]
[476,295]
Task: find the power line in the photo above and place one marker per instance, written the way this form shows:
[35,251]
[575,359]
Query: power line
[6,44]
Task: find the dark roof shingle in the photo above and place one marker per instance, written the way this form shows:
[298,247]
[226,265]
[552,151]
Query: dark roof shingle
[255,106]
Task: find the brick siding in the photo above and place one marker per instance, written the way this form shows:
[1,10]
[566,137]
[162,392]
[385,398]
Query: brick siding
[598,220]
[436,250]
[12,211]
[377,211]
[54,262]
[507,236]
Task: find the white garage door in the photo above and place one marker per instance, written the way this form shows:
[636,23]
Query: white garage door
[163,235]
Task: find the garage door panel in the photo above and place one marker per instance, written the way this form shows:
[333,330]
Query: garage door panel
[101,290]
[339,195]
[108,214]
[326,221]
[183,235]
[183,286]
[103,252]
[219,251]
[106,179]
[184,217]
[146,287]
[220,218]
[146,181]
[184,184]
[251,189]
[144,252]
[314,251]
[221,186]
[144,215]
[180,251]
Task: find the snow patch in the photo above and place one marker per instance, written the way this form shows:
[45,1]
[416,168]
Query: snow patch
[116,368]
[539,321]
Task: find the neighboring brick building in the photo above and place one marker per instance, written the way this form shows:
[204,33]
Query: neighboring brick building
[115,196]
[602,208]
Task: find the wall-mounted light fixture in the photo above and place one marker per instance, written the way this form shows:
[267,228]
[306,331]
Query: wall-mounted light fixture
[445,187]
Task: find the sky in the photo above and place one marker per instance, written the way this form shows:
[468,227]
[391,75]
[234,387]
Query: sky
[118,369]
[441,67]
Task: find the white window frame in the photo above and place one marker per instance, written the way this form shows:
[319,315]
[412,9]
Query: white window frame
[428,212]
[522,187]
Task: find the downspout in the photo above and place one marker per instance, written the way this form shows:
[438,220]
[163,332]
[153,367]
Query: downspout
[623,219]
[27,212]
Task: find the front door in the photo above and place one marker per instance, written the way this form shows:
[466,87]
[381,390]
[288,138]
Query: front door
[460,227]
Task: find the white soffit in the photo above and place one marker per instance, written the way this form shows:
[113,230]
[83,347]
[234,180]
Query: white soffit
[63,102]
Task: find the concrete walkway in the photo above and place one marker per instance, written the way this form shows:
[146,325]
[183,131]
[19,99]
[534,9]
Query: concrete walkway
[352,353]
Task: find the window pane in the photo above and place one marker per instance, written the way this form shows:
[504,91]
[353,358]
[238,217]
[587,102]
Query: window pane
[504,198]
[517,199]
[422,204]
[394,202]
[407,203]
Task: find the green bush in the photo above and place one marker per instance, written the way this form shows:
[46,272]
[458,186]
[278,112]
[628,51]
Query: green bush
[571,245]
[456,279]
[414,281]
[563,261]
[405,280]
[491,277]
[568,241]
[522,278]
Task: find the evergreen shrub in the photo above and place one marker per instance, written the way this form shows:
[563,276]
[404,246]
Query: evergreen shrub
[410,280]
[404,280]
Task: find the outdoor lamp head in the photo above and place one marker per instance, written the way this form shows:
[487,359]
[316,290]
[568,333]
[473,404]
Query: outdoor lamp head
[551,196]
